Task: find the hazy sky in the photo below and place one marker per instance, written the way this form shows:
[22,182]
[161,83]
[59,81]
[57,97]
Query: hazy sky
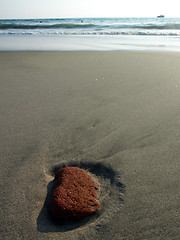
[88,8]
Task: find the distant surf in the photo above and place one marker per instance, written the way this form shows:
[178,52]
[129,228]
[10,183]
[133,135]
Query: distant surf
[43,26]
[92,26]
[90,34]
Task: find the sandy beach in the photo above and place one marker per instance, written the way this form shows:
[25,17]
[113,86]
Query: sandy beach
[115,114]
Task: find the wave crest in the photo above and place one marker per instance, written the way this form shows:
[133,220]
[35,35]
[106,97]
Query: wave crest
[44,26]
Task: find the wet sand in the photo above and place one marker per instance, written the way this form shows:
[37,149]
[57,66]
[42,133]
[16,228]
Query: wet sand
[115,114]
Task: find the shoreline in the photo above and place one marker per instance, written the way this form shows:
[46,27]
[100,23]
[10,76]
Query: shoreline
[115,113]
[89,43]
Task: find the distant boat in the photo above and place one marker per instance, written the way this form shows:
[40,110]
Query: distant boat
[160,16]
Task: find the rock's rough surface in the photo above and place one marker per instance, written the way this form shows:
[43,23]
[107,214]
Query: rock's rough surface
[74,194]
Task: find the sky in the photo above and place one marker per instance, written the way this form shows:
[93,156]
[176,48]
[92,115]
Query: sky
[12,9]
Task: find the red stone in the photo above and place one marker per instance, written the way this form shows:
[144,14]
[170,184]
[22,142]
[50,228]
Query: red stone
[74,194]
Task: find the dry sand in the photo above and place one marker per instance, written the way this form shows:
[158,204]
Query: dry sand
[115,114]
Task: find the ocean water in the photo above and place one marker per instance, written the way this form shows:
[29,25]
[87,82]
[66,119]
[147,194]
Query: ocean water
[90,34]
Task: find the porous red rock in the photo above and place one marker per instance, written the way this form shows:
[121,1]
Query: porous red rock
[74,194]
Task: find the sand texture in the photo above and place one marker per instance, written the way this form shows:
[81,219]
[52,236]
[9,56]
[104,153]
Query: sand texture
[114,114]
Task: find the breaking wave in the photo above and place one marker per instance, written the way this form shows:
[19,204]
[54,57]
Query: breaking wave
[94,26]
[44,26]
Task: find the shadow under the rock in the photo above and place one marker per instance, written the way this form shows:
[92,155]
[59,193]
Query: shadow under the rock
[46,223]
